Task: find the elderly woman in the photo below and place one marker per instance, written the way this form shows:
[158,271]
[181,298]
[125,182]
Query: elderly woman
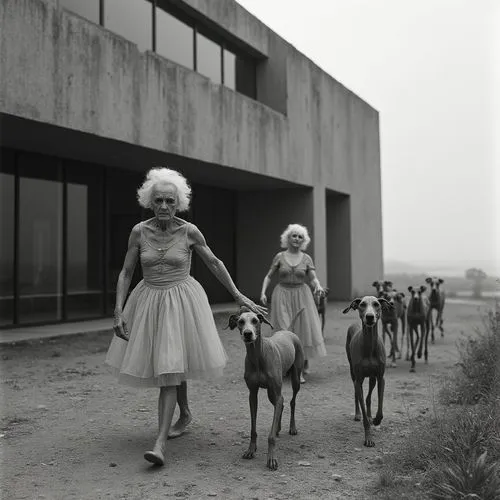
[166,332]
[292,293]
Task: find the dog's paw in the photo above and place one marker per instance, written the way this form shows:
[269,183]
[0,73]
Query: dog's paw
[293,431]
[369,442]
[248,454]
[357,417]
[377,420]
[272,463]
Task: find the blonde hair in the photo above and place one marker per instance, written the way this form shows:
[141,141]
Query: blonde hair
[162,175]
[295,228]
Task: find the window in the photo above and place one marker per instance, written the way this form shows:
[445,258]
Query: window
[208,58]
[89,9]
[246,77]
[7,207]
[40,238]
[132,19]
[174,39]
[84,236]
[229,69]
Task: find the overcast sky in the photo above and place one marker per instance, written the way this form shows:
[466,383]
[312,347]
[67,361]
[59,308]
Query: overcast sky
[430,67]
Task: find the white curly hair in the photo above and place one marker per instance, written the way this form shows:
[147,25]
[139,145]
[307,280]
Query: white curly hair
[162,175]
[295,228]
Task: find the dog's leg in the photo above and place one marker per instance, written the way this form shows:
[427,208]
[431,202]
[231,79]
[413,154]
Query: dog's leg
[357,412]
[412,330]
[440,320]
[366,423]
[407,342]
[276,399]
[295,379]
[431,322]
[380,411]
[371,386]
[323,324]
[252,399]
[395,331]
[425,333]
[394,343]
[421,338]
[278,430]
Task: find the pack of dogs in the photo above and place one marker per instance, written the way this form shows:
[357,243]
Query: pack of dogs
[270,359]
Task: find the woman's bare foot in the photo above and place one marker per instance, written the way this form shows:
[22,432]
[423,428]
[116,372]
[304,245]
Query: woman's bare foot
[179,427]
[305,371]
[156,456]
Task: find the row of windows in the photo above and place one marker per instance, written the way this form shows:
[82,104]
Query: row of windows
[64,233]
[151,25]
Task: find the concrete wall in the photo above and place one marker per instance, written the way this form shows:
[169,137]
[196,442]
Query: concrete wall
[59,69]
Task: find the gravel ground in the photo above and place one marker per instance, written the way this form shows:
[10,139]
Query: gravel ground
[69,431]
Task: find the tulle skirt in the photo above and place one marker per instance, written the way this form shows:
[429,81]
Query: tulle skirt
[172,335]
[286,301]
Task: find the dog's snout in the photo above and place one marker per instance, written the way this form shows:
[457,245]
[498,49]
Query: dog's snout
[248,335]
[370,318]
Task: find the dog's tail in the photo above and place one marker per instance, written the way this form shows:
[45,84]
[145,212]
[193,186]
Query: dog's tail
[292,324]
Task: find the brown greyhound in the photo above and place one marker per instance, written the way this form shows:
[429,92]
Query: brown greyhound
[390,324]
[267,361]
[418,316]
[437,299]
[382,286]
[366,356]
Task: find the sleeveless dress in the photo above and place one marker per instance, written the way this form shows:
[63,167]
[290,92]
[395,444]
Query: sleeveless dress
[292,294]
[172,332]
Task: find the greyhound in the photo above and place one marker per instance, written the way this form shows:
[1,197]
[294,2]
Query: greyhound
[382,286]
[367,358]
[391,319]
[267,361]
[437,299]
[418,316]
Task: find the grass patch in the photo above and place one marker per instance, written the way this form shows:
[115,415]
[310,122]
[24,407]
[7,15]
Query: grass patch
[455,452]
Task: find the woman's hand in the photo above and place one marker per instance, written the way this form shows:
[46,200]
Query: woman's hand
[120,327]
[319,290]
[263,299]
[246,302]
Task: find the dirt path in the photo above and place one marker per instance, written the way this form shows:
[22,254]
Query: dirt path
[69,431]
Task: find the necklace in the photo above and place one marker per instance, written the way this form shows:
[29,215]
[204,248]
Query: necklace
[161,249]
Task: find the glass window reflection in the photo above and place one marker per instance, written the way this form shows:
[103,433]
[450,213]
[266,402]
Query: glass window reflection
[7,205]
[174,39]
[40,239]
[132,19]
[229,69]
[84,266]
[208,58]
[89,9]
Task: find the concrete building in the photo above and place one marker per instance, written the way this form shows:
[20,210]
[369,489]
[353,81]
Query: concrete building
[94,93]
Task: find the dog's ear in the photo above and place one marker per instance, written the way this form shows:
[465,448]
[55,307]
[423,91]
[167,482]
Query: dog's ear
[386,305]
[428,280]
[263,319]
[353,305]
[441,280]
[423,288]
[375,283]
[410,289]
[401,295]
[232,322]
[388,282]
